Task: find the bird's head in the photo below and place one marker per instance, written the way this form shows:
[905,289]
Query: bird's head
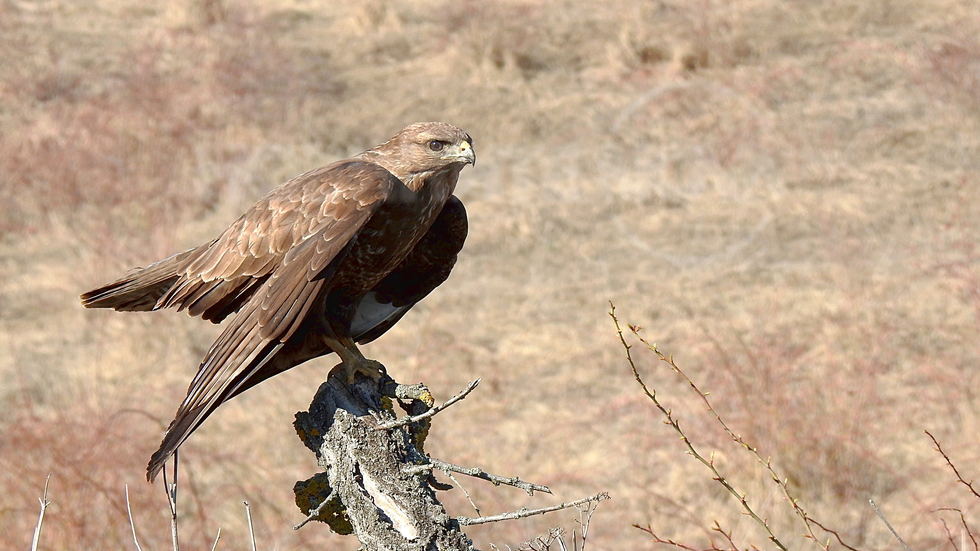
[442,143]
[426,147]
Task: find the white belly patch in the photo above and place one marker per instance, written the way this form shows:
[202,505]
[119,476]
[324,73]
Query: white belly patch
[370,313]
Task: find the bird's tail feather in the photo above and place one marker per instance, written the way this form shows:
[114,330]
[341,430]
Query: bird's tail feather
[140,289]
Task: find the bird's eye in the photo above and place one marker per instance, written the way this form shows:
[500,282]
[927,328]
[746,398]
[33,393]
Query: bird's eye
[436,145]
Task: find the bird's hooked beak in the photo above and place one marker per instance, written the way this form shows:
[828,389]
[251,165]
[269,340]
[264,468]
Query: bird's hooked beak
[466,154]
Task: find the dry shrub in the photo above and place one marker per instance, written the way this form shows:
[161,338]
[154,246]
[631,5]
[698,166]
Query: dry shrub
[89,455]
[94,453]
[817,421]
[839,404]
[780,507]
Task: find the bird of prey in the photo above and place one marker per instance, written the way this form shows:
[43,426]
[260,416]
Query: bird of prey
[333,257]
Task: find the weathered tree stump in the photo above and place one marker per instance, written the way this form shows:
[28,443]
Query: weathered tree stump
[377,482]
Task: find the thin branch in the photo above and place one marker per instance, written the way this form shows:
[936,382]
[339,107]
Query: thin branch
[557,535]
[436,409]
[767,463]
[492,478]
[248,515]
[132,525]
[966,527]
[314,513]
[728,535]
[677,544]
[675,424]
[949,535]
[584,519]
[465,493]
[216,538]
[525,512]
[835,534]
[889,525]
[949,462]
[40,518]
[544,543]
[171,490]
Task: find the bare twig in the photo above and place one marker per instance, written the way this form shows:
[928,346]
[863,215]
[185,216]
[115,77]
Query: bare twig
[132,525]
[40,518]
[171,490]
[949,462]
[949,535]
[672,543]
[314,512]
[465,493]
[675,424]
[251,532]
[889,525]
[966,527]
[480,473]
[835,534]
[525,512]
[543,543]
[727,535]
[584,519]
[434,410]
[767,463]
[216,538]
[557,535]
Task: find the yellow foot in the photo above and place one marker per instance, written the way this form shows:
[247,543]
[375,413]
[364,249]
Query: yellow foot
[371,369]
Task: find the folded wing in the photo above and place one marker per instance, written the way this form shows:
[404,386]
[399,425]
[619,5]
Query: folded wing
[269,266]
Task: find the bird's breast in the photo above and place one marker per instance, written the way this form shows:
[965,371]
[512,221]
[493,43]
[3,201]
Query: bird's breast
[389,236]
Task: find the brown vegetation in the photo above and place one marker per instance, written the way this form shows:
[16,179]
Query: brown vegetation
[783,193]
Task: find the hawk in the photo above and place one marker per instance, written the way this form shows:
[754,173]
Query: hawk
[331,258]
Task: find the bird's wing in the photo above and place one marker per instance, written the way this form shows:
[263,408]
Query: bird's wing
[216,279]
[424,269]
[319,215]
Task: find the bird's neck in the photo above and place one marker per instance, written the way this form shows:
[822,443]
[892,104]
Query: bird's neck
[414,181]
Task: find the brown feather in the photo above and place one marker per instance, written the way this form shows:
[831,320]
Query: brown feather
[195,292]
[138,290]
[232,302]
[221,292]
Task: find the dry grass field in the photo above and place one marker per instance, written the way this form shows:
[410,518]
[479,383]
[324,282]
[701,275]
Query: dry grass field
[784,194]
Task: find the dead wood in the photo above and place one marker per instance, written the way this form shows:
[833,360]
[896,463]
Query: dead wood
[369,486]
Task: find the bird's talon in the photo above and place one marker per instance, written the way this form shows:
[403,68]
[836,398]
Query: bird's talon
[371,369]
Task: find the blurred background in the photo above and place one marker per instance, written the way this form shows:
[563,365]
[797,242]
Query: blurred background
[782,193]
